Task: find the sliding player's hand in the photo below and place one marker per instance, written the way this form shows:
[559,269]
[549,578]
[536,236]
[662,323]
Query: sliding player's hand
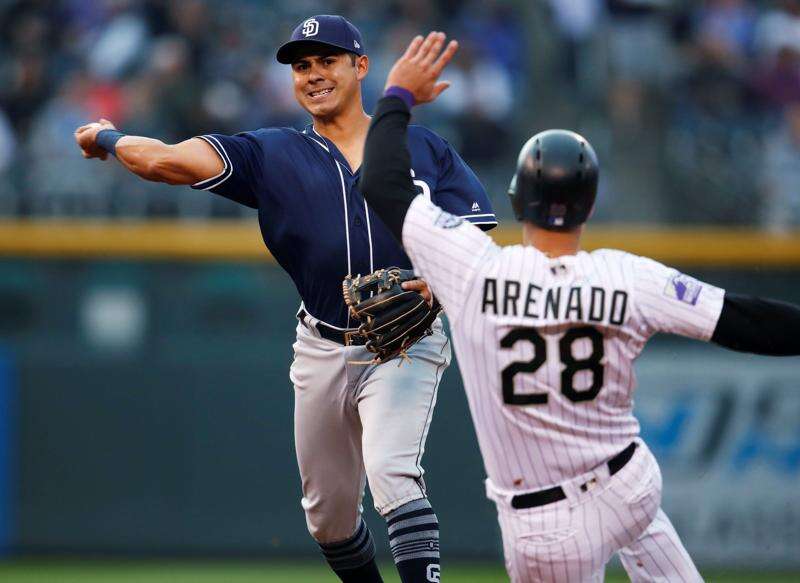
[419,68]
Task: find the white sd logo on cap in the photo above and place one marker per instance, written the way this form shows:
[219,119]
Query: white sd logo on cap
[310,28]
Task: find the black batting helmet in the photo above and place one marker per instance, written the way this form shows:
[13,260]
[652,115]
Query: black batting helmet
[556,180]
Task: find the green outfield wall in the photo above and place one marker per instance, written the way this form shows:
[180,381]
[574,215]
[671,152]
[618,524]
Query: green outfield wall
[155,417]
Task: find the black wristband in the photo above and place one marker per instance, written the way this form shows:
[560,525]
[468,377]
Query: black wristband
[107,139]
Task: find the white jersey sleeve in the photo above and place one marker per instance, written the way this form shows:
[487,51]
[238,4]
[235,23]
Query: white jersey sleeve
[446,251]
[669,301]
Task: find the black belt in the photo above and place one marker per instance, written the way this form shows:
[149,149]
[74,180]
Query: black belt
[550,495]
[343,337]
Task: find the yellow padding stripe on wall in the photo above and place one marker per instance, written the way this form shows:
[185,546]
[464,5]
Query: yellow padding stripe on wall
[241,240]
[163,240]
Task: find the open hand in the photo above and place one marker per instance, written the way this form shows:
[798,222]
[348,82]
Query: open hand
[419,68]
[85,137]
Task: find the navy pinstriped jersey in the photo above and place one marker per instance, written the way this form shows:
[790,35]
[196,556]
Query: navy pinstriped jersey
[314,220]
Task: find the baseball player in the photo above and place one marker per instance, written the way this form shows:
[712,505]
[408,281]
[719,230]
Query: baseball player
[354,421]
[546,336]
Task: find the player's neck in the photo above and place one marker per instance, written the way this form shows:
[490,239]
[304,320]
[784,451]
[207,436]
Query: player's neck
[347,127]
[348,131]
[552,243]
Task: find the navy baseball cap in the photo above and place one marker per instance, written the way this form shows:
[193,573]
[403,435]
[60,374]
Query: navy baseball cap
[326,29]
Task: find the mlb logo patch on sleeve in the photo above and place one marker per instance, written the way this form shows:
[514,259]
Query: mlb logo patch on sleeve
[684,289]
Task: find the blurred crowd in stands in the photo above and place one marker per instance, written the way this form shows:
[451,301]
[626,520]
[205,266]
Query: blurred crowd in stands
[706,94]
[173,69]
[694,106]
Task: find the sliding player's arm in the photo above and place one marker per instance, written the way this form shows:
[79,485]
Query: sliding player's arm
[445,250]
[675,303]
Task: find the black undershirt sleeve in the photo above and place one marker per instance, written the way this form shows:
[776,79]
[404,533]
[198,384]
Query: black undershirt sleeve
[759,326]
[386,169]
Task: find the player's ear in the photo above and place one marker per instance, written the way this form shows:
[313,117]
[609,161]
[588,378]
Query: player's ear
[362,67]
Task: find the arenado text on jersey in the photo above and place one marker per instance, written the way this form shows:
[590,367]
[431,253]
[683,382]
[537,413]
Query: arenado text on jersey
[573,303]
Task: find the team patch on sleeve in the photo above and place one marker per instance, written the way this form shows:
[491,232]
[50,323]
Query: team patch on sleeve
[683,288]
[447,221]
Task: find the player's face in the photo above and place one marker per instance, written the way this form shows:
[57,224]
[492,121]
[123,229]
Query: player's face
[325,84]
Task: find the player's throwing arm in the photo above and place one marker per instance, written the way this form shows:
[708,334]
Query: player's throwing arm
[186,163]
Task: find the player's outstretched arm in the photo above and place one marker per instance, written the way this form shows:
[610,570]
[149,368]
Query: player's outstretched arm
[758,325]
[676,303]
[386,173]
[444,249]
[187,163]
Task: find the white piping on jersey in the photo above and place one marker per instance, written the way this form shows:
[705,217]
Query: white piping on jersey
[324,147]
[227,169]
[346,226]
[344,198]
[369,232]
[314,319]
[470,219]
[346,218]
[369,237]
[327,149]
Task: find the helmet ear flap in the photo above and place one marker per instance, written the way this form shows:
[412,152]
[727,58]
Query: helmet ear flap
[516,201]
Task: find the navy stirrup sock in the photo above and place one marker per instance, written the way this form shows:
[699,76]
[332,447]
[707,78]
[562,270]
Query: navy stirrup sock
[353,560]
[414,539]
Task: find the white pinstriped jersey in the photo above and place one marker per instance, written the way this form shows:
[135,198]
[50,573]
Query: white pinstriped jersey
[546,345]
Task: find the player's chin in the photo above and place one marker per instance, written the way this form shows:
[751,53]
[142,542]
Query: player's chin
[322,110]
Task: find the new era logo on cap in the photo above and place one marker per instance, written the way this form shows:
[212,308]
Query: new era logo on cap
[323,29]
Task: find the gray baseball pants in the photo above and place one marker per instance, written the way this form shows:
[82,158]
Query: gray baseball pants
[358,422]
